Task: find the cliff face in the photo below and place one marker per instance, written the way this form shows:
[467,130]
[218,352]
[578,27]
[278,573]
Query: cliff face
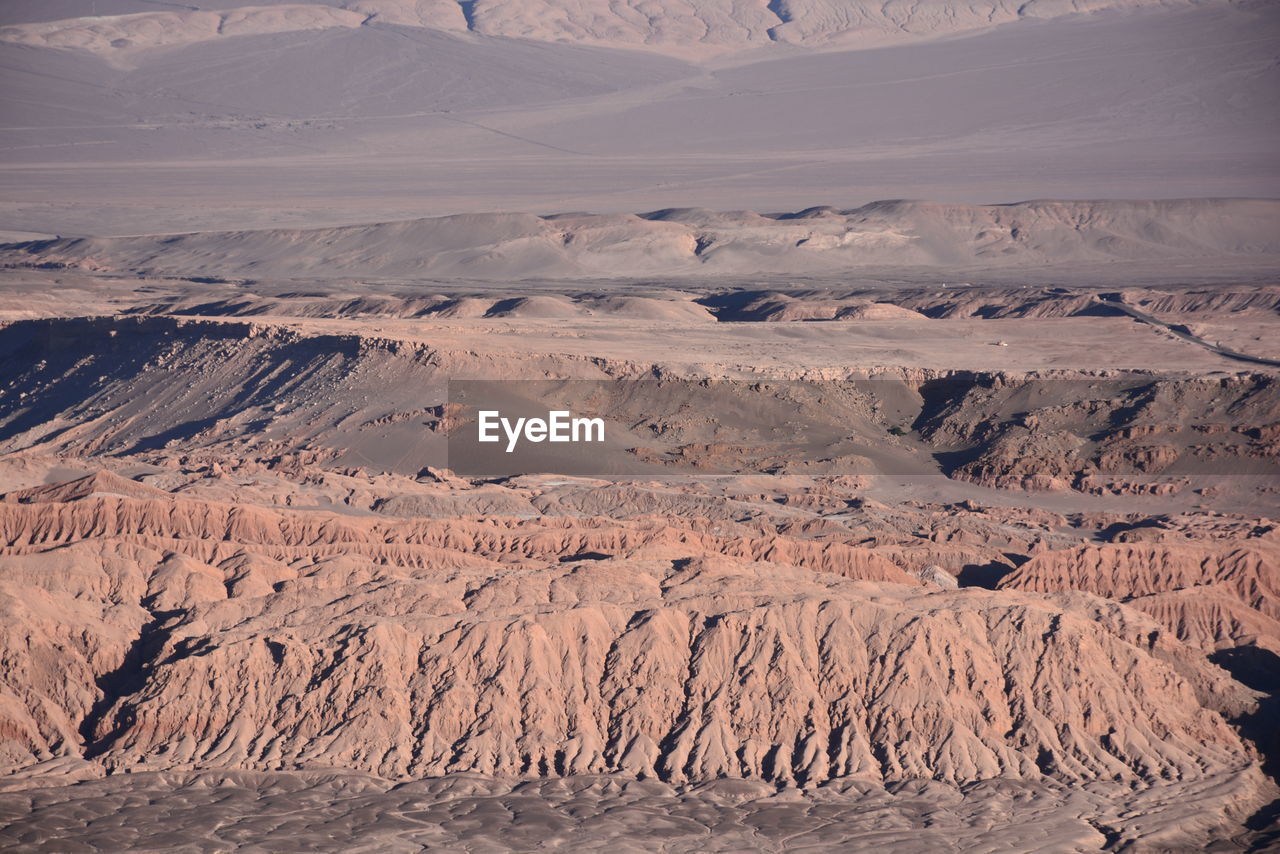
[160,387]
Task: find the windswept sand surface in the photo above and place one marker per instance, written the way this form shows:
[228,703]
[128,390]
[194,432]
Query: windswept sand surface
[324,812]
[702,29]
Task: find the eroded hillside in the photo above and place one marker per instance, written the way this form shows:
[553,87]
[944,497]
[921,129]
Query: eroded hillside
[231,544]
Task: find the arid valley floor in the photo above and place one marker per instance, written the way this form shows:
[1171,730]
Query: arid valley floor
[922,526]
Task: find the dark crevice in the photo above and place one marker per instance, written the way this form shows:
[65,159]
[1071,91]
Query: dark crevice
[585,556]
[1265,827]
[1109,533]
[779,11]
[277,651]
[985,575]
[1113,837]
[1258,669]
[468,8]
[942,395]
[1261,727]
[1255,666]
[125,680]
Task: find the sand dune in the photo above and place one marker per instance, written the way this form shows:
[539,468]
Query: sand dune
[109,34]
[702,28]
[911,234]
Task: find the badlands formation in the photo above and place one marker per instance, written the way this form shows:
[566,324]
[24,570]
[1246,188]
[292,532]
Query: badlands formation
[922,525]
[246,599]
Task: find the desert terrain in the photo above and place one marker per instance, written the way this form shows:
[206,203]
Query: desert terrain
[948,524]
